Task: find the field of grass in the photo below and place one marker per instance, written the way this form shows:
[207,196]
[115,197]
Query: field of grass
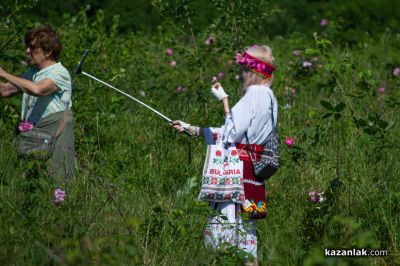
[133,200]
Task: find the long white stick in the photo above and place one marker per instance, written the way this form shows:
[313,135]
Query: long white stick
[129,96]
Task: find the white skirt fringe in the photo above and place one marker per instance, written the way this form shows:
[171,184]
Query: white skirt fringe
[228,229]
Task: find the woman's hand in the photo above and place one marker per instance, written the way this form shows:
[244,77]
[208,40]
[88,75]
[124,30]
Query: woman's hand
[7,89]
[2,72]
[220,95]
[218,92]
[180,126]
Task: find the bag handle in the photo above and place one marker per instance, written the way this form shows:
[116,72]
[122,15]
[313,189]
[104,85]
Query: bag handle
[272,118]
[63,121]
[272,112]
[249,150]
[273,128]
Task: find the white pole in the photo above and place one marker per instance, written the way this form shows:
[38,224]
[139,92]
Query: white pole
[129,96]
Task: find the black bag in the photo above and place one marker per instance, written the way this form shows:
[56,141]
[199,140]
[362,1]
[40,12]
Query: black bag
[269,158]
[35,143]
[38,143]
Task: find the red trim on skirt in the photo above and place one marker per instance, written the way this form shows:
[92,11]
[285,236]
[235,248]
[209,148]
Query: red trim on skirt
[254,188]
[244,150]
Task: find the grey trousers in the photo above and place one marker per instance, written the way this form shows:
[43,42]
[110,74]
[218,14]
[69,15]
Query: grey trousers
[61,163]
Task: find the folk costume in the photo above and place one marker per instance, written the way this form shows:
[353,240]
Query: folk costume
[251,116]
[247,127]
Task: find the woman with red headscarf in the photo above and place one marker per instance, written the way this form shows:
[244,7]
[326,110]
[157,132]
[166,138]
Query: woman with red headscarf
[249,123]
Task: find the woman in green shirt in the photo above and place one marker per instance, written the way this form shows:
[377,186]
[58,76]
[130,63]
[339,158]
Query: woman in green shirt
[46,100]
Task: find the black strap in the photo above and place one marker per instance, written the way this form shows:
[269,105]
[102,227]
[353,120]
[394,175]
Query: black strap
[272,118]
[63,122]
[273,127]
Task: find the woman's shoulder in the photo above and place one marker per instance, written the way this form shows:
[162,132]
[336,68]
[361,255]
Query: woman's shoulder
[59,67]
[60,72]
[259,89]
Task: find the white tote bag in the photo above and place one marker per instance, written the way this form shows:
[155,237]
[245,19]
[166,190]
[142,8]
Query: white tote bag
[222,173]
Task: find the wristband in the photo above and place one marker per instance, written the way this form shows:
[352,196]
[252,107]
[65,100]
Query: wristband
[194,130]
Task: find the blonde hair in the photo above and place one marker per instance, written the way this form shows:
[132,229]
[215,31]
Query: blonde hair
[264,53]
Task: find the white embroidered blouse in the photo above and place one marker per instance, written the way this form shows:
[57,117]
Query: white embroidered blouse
[255,113]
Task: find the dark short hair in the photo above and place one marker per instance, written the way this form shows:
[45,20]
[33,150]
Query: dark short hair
[46,38]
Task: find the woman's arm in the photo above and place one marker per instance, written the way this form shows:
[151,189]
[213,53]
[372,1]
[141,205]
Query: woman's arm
[182,126]
[225,104]
[43,88]
[220,95]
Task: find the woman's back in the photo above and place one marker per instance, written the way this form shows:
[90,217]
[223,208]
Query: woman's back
[253,115]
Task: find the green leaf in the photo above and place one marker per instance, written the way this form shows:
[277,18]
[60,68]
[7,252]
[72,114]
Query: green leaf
[311,51]
[360,123]
[357,95]
[327,105]
[337,116]
[339,107]
[393,102]
[365,85]
[326,115]
[116,99]
[365,75]
[390,126]
[382,124]
[371,130]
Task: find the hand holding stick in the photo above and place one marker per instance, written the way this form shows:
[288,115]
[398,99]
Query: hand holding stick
[220,95]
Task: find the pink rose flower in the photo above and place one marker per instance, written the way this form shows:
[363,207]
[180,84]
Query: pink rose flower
[324,22]
[169,51]
[296,52]
[396,71]
[173,63]
[59,195]
[210,40]
[180,89]
[307,64]
[290,141]
[289,91]
[315,197]
[380,90]
[25,126]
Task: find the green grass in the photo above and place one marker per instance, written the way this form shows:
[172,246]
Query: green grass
[133,200]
